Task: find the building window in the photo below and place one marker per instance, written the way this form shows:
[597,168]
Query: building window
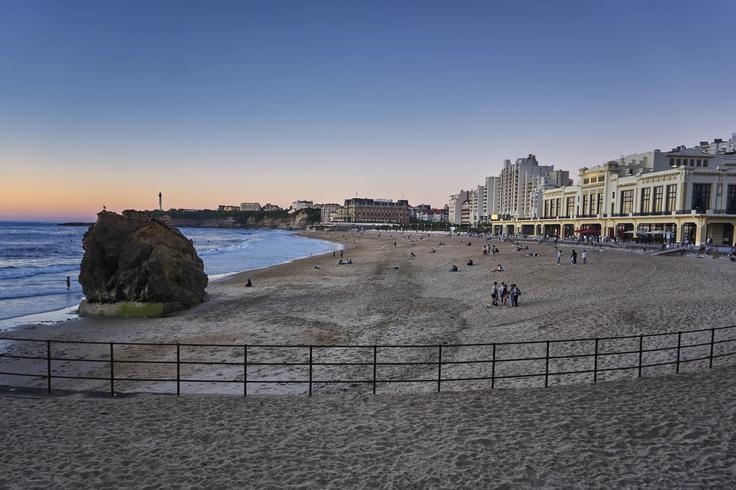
[692,162]
[627,202]
[586,181]
[599,209]
[585,204]
[672,162]
[698,164]
[658,198]
[701,197]
[705,163]
[679,161]
[671,204]
[558,205]
[646,197]
[731,199]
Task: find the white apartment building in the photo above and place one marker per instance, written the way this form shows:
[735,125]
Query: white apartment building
[522,184]
[455,206]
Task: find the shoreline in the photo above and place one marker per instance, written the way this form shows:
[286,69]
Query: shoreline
[68,313]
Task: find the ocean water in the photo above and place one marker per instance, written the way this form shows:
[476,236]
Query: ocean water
[36,258]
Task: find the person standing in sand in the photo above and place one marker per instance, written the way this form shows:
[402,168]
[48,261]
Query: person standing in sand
[573,257]
[504,292]
[559,256]
[584,255]
[494,293]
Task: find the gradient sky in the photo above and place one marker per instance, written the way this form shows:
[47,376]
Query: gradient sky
[225,102]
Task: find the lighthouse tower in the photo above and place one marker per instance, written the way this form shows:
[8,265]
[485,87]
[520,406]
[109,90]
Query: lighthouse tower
[160,202]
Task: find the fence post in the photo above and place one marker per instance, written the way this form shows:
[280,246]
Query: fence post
[641,351]
[375,356]
[310,370]
[546,367]
[48,367]
[245,370]
[439,367]
[178,371]
[679,343]
[595,362]
[112,369]
[493,367]
[712,341]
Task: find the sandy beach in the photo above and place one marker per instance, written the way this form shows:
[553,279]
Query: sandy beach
[665,432]
[387,296]
[658,431]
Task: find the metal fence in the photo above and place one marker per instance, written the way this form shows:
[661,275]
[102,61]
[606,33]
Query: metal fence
[49,363]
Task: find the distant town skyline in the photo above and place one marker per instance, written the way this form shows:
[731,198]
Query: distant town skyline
[110,103]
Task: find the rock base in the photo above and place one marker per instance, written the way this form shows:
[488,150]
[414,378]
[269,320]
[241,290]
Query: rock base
[127,309]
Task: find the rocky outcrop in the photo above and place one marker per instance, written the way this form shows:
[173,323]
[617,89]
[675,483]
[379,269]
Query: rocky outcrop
[137,258]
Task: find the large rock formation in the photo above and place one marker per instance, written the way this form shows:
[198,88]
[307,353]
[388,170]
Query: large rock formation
[137,259]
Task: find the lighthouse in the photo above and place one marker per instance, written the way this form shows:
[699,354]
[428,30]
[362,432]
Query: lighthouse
[160,202]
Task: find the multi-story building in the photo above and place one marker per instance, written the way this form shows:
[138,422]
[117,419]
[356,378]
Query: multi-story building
[297,205]
[455,205]
[685,194]
[227,207]
[327,211]
[719,146]
[269,208]
[250,206]
[364,210]
[522,184]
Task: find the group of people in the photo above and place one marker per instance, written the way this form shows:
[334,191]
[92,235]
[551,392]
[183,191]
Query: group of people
[489,249]
[504,295]
[573,256]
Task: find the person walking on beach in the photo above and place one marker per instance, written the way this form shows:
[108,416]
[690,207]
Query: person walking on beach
[559,256]
[514,294]
[573,257]
[504,292]
[494,293]
[68,283]
[584,255]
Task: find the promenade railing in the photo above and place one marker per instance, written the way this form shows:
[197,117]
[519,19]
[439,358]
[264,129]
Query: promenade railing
[123,367]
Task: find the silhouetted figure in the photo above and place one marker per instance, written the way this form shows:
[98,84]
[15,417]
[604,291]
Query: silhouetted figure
[249,284]
[68,282]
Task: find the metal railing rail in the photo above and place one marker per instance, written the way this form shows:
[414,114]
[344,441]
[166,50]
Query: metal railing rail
[437,359]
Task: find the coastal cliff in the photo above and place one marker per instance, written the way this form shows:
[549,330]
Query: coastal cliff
[206,218]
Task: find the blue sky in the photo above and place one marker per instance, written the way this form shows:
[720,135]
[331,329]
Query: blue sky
[224,102]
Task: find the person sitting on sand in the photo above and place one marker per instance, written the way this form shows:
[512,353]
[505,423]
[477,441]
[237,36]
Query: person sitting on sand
[249,284]
[341,262]
[453,268]
[316,266]
[411,254]
[470,262]
[499,268]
